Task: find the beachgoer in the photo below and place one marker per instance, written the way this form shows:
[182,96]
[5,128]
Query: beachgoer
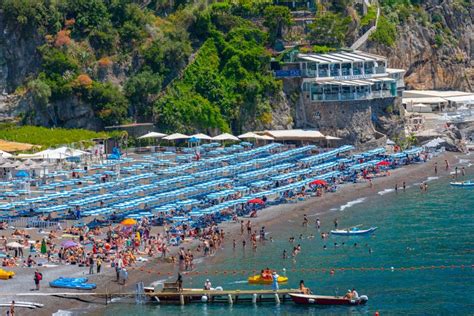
[179,281]
[436,168]
[37,278]
[318,223]
[335,223]
[285,255]
[99,264]
[396,187]
[275,286]
[207,285]
[354,294]
[91,264]
[242,227]
[447,164]
[303,288]
[348,295]
[234,243]
[404,186]
[12,308]
[463,171]
[305,220]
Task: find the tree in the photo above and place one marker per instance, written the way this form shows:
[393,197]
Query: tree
[40,90]
[329,30]
[275,19]
[139,90]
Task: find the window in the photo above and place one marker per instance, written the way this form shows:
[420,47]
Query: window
[346,69]
[323,70]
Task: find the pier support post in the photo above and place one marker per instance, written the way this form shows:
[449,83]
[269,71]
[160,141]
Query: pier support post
[230,299]
[254,298]
[277,298]
[181,299]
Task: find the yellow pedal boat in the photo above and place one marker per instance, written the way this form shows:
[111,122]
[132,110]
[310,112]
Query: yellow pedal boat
[5,275]
[258,279]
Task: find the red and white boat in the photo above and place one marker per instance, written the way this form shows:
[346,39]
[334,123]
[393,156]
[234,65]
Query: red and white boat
[327,300]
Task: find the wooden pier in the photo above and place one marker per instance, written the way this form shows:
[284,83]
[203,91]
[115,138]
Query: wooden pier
[227,296]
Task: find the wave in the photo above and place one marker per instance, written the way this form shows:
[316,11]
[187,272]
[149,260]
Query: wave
[431,178]
[385,191]
[238,282]
[351,203]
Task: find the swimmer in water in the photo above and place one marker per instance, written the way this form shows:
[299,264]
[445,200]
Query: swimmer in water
[285,255]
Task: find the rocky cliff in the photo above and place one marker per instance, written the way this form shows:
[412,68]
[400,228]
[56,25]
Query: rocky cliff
[435,45]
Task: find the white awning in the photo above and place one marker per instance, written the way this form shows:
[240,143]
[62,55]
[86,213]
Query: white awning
[4,154]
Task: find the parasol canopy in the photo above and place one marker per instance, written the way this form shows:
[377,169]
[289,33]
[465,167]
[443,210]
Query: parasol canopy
[225,136]
[383,163]
[14,244]
[128,222]
[256,201]
[319,182]
[69,244]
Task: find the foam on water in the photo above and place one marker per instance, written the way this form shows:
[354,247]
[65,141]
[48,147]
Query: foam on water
[351,203]
[431,178]
[385,191]
[239,282]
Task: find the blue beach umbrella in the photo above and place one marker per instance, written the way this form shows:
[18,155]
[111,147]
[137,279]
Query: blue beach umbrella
[22,174]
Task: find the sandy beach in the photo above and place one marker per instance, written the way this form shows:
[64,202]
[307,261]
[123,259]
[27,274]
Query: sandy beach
[325,207]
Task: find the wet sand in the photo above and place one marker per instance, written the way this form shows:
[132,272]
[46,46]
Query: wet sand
[273,218]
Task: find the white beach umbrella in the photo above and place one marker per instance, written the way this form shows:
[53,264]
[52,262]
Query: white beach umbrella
[225,136]
[14,244]
[201,136]
[264,137]
[247,135]
[176,136]
[152,135]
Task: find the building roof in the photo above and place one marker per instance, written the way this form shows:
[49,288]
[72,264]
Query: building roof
[341,57]
[428,100]
[9,146]
[295,134]
[394,70]
[435,93]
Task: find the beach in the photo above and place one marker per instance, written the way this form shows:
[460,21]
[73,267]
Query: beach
[273,218]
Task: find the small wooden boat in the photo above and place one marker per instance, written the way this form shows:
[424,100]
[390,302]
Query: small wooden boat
[304,299]
[468,183]
[353,231]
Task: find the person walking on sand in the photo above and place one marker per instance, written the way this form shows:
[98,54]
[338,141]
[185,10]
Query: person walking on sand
[91,264]
[12,308]
[335,223]
[447,164]
[456,172]
[436,168]
[463,171]
[396,187]
[99,264]
[37,278]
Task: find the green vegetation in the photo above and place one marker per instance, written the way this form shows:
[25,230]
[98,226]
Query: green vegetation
[47,137]
[329,30]
[275,19]
[386,32]
[370,16]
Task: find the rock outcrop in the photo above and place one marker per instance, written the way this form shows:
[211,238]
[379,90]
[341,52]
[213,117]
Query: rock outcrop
[436,56]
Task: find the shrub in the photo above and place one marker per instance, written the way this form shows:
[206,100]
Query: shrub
[63,38]
[40,90]
[386,32]
[84,81]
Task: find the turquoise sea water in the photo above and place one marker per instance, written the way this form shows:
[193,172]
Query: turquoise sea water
[415,229]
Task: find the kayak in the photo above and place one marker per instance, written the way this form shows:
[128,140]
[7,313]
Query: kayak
[304,299]
[258,279]
[5,275]
[353,231]
[468,183]
[72,283]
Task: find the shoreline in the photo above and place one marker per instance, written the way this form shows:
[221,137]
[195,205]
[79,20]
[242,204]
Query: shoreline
[271,217]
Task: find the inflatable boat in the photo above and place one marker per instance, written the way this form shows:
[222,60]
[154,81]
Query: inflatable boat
[72,283]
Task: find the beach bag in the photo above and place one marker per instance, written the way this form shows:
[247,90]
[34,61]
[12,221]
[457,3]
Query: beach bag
[39,276]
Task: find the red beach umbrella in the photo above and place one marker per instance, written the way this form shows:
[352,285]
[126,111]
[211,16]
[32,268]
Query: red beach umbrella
[256,201]
[319,182]
[383,163]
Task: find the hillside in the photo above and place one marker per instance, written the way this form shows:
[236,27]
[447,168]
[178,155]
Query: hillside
[199,65]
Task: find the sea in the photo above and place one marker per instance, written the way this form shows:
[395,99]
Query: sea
[424,243]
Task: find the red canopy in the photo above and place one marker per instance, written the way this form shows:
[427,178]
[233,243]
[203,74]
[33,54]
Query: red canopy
[319,182]
[256,201]
[383,163]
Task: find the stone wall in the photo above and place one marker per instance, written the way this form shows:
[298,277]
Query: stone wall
[353,121]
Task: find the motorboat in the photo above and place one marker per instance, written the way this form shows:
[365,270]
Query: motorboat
[353,231]
[309,299]
[468,183]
